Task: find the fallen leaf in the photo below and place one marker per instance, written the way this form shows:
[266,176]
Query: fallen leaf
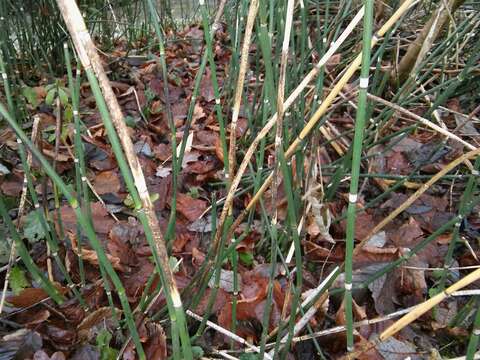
[322,218]
[189,207]
[28,297]
[163,172]
[156,345]
[407,235]
[91,256]
[20,344]
[102,221]
[226,280]
[395,349]
[162,152]
[94,318]
[12,186]
[107,182]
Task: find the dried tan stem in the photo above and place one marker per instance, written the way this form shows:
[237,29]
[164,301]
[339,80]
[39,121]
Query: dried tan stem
[422,308]
[252,13]
[90,60]
[427,36]
[280,100]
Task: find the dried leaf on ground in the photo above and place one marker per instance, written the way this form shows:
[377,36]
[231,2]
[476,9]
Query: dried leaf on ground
[189,207]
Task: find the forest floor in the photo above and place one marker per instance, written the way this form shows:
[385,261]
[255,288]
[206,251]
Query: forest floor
[35,327]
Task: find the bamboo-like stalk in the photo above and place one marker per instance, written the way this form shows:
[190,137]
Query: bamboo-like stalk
[470,190]
[436,22]
[91,62]
[280,101]
[474,337]
[213,71]
[176,158]
[83,197]
[278,150]
[252,13]
[356,162]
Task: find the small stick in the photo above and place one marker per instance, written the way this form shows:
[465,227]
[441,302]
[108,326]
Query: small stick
[357,324]
[418,311]
[312,295]
[303,320]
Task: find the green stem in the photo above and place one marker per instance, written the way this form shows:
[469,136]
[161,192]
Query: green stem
[356,162]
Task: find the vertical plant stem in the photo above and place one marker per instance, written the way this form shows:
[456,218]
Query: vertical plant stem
[474,337]
[356,162]
[213,71]
[252,12]
[79,160]
[176,160]
[278,151]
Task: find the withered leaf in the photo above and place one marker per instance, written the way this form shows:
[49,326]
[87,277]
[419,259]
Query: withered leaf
[189,207]
[107,182]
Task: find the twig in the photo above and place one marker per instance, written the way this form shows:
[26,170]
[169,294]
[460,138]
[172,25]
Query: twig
[421,309]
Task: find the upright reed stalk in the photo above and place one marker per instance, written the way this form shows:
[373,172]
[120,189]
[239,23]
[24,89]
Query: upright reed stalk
[252,12]
[356,162]
[278,152]
[83,197]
